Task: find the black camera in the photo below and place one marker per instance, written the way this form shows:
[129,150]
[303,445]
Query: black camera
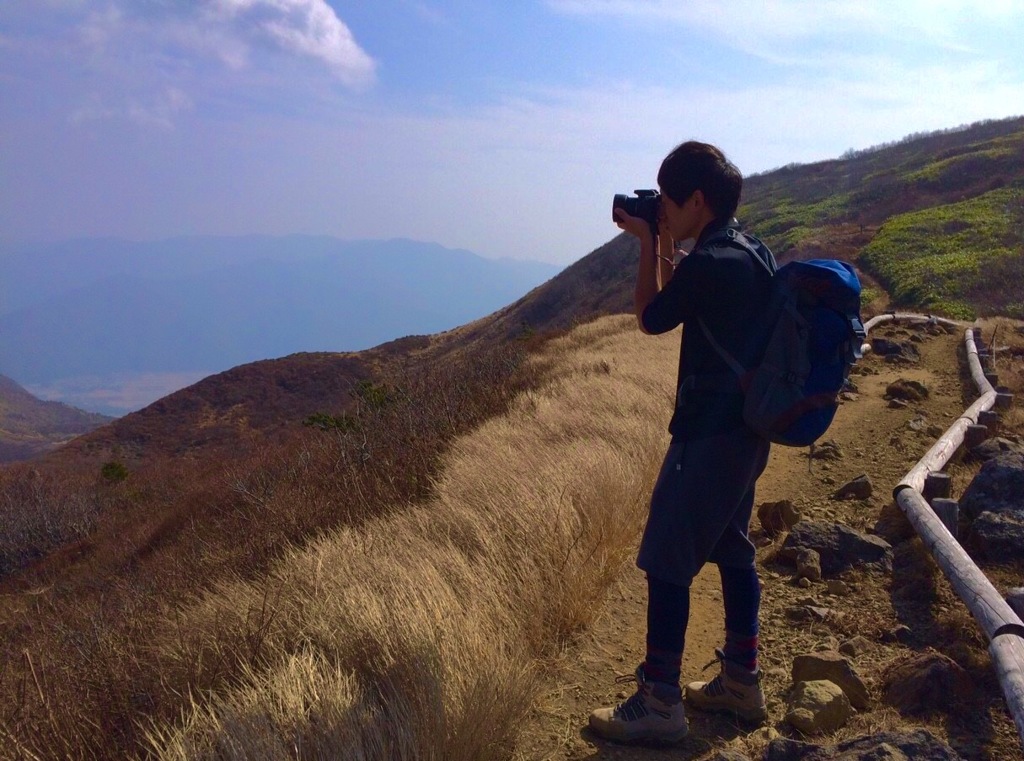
[645,205]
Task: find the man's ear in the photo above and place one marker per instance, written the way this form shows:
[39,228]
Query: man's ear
[698,199]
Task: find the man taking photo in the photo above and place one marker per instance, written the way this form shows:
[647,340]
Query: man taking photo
[701,504]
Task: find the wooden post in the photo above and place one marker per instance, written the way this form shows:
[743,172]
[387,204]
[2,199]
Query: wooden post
[936,485]
[1015,599]
[989,419]
[975,435]
[1004,400]
[948,511]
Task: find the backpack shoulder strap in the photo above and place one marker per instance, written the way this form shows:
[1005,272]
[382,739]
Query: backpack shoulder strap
[732,236]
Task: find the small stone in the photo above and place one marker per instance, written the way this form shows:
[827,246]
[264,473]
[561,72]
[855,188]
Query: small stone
[808,565]
[906,390]
[858,488]
[836,668]
[818,706]
[776,517]
[826,450]
[897,404]
[855,646]
[838,588]
[902,634]
[804,583]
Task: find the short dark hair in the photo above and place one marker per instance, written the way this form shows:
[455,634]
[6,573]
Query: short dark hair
[695,166]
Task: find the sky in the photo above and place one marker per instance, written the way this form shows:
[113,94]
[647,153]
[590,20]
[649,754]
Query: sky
[499,127]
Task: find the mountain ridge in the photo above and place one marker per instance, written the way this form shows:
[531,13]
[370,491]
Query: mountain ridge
[30,426]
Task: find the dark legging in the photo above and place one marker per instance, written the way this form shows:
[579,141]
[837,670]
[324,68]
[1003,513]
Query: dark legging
[668,612]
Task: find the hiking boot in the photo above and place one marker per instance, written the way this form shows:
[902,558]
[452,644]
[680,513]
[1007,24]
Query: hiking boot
[653,714]
[734,690]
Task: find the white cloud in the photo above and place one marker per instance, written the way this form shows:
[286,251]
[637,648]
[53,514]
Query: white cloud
[307,27]
[149,63]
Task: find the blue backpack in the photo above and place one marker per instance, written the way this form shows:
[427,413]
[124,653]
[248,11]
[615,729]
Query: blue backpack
[811,336]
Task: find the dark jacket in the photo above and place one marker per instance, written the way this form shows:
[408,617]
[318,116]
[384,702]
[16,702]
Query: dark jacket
[725,287]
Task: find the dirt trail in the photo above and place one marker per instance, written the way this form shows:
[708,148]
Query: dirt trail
[877,440]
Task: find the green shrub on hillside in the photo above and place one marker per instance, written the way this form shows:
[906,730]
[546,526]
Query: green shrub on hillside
[945,258]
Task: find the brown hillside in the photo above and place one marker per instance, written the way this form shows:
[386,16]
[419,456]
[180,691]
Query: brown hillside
[31,426]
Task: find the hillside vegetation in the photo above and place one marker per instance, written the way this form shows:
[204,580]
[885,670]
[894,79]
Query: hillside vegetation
[937,219]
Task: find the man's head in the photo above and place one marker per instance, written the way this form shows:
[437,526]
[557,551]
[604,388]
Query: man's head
[698,185]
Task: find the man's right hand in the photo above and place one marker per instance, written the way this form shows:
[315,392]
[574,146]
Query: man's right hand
[635,226]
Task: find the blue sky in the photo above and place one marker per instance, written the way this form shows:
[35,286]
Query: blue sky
[504,128]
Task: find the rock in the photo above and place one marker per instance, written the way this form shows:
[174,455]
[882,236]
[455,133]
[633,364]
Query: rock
[835,668]
[906,390]
[917,424]
[776,517]
[808,613]
[919,745]
[883,347]
[808,565]
[908,353]
[925,682]
[897,404]
[818,706]
[826,450]
[804,583]
[994,447]
[935,431]
[838,588]
[997,487]
[839,546]
[998,536]
[855,646]
[858,488]
[901,633]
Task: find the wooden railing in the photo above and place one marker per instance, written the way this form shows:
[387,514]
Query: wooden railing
[1003,628]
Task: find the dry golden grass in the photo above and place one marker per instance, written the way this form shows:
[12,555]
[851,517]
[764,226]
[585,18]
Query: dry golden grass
[423,634]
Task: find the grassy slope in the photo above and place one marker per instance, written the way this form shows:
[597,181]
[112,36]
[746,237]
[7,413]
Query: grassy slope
[940,218]
[420,635]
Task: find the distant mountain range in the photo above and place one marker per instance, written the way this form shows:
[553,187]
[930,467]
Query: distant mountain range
[104,308]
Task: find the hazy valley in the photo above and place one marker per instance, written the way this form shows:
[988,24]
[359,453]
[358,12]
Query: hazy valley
[112,325]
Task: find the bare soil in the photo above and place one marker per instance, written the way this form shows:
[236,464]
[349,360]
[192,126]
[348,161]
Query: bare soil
[882,442]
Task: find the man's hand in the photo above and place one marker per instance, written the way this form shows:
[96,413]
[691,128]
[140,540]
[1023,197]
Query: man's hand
[635,226]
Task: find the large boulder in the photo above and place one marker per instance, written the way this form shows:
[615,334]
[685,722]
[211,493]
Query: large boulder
[839,546]
[994,503]
[998,536]
[998,487]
